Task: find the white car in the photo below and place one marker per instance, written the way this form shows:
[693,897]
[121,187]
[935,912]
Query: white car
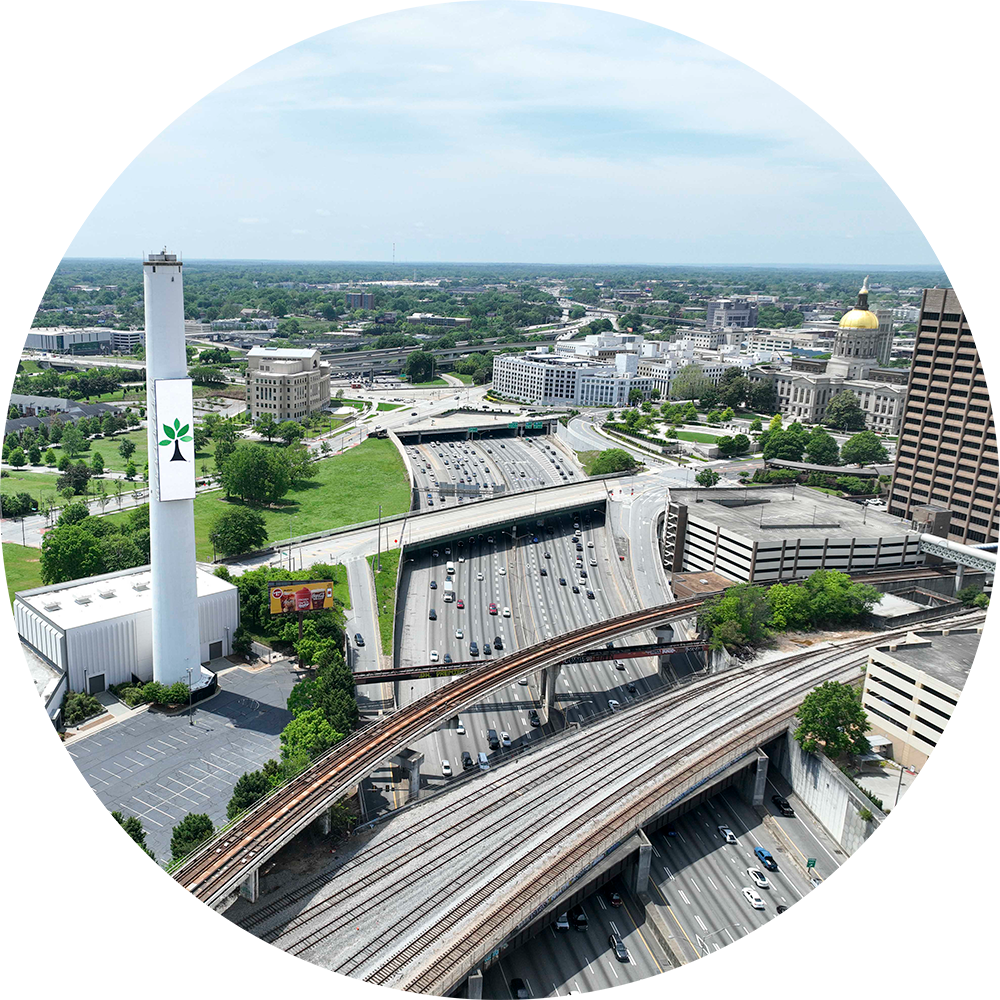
[758,878]
[753,899]
[590,545]
[460,728]
[505,739]
[459,634]
[523,682]
[727,835]
[593,562]
[503,570]
[506,612]
[446,768]
[434,656]
[479,576]
[613,705]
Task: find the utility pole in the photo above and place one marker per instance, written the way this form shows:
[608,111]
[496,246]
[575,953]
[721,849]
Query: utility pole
[190,700]
[378,557]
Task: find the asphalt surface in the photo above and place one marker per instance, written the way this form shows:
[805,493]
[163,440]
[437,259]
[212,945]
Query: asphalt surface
[160,768]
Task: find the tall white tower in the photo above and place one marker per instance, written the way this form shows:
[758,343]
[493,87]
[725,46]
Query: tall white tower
[176,640]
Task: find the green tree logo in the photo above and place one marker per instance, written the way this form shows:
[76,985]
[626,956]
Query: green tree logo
[176,434]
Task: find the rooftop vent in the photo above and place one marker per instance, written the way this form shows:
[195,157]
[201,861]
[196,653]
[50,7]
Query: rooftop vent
[140,586]
[83,600]
[54,606]
[107,594]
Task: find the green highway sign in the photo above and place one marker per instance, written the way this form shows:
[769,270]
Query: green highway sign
[512,426]
[473,430]
[810,862]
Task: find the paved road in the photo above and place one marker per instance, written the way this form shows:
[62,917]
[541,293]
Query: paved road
[160,767]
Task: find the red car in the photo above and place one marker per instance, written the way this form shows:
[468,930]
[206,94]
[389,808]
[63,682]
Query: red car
[493,609]
[460,603]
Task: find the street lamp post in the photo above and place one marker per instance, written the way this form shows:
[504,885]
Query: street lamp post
[899,784]
[190,700]
[378,557]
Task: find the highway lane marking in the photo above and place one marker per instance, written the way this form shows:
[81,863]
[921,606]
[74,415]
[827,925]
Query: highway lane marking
[695,884]
[610,966]
[710,879]
[680,892]
[701,923]
[730,881]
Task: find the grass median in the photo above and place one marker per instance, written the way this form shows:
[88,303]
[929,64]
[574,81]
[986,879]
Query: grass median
[385,594]
[22,568]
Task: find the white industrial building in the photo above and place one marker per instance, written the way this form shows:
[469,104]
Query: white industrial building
[99,631]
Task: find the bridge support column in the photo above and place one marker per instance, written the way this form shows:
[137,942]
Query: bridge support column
[475,985]
[324,822]
[640,874]
[410,761]
[760,779]
[250,887]
[959,576]
[550,675]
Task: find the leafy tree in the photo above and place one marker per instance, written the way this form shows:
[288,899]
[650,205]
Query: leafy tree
[132,825]
[763,398]
[707,478]
[789,605]
[17,458]
[419,366]
[309,735]
[75,478]
[122,551]
[634,397]
[34,455]
[130,470]
[68,553]
[783,444]
[821,448]
[863,449]
[844,412]
[238,530]
[832,718]
[97,463]
[187,835]
[612,460]
[267,425]
[290,431]
[249,789]
[755,425]
[256,474]
[73,513]
[834,598]
[126,448]
[774,424]
[50,457]
[737,618]
[853,485]
[73,441]
[79,705]
[689,383]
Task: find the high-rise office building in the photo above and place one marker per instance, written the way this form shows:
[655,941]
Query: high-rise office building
[946,458]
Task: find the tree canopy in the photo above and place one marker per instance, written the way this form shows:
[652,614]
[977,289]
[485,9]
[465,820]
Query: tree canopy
[844,412]
[238,530]
[193,830]
[863,449]
[832,719]
[256,474]
[613,460]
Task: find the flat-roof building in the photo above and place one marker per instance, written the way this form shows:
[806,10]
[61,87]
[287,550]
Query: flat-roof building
[288,383]
[763,535]
[912,687]
[97,631]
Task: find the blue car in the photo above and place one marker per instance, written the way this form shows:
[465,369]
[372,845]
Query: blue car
[765,858]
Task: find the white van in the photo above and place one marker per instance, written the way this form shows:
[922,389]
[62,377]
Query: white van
[450,568]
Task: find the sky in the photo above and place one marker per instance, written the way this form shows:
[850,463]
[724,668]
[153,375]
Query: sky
[491,132]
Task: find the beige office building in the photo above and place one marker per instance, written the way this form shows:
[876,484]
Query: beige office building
[288,383]
[947,451]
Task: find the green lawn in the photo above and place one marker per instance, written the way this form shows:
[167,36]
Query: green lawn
[426,385]
[389,406]
[385,595]
[358,404]
[23,568]
[586,459]
[698,437]
[343,490]
[466,379]
[40,485]
[30,366]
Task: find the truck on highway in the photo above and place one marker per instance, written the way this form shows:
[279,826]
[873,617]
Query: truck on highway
[449,591]
[450,568]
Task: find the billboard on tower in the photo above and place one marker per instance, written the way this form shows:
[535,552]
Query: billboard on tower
[173,419]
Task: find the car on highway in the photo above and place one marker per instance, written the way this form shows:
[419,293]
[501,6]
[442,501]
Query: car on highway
[590,545]
[727,835]
[493,608]
[504,739]
[619,665]
[543,572]
[518,989]
[576,589]
[432,615]
[506,611]
[593,562]
[434,585]
[583,574]
[578,917]
[523,682]
[359,639]
[493,739]
[579,547]
[764,857]
[618,947]
[758,878]
[534,539]
[590,595]
[533,718]
[780,909]
[473,648]
[434,553]
[479,576]
[467,760]
[562,581]
[784,806]
[562,923]
[614,898]
[503,570]
[447,658]
[459,634]
[434,656]
[548,555]
[459,726]
[631,688]
[497,642]
[446,768]
[460,604]
[486,649]
[613,704]
[753,899]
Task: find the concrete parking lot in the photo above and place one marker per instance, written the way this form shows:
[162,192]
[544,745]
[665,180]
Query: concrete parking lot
[160,767]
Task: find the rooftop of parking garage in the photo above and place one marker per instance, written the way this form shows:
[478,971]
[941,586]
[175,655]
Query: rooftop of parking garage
[768,515]
[947,658]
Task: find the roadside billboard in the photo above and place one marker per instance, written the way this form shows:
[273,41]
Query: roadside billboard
[300,595]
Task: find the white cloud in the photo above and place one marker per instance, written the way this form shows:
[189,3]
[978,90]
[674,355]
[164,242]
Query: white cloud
[322,211]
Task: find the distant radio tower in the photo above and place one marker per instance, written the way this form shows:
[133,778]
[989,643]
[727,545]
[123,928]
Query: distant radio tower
[394,254]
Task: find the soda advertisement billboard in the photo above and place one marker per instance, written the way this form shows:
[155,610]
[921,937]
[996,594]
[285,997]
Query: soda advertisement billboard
[300,595]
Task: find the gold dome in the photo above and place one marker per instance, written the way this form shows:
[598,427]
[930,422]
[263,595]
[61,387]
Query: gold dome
[859,319]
